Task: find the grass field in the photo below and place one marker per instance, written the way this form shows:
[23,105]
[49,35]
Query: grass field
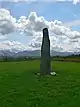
[20,87]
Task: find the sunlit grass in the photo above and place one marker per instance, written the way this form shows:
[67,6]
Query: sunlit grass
[20,87]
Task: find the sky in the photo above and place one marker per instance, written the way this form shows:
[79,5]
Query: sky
[22,21]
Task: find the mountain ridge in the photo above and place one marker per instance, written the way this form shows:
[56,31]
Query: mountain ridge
[33,53]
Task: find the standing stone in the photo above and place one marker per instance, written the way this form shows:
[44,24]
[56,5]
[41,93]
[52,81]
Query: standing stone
[45,66]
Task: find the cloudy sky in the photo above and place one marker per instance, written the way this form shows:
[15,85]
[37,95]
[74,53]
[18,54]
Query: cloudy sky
[22,21]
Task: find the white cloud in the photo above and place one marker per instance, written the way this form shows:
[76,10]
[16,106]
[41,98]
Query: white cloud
[28,1]
[76,1]
[62,38]
[47,1]
[12,46]
[60,35]
[7,22]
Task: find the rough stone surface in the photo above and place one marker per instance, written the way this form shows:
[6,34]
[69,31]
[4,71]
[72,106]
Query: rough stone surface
[45,66]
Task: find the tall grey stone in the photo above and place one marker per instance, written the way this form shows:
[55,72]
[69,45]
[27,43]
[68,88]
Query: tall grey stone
[45,65]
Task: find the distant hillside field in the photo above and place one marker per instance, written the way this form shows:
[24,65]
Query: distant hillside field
[20,87]
[70,58]
[67,58]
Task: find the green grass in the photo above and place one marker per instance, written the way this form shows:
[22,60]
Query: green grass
[20,87]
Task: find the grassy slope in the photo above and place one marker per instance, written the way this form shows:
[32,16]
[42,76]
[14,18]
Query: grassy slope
[19,87]
[68,58]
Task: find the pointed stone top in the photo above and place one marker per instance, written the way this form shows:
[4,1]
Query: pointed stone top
[45,29]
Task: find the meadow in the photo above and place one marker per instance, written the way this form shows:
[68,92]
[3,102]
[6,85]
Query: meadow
[20,87]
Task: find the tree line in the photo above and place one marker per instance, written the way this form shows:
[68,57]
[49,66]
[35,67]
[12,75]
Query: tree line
[25,58]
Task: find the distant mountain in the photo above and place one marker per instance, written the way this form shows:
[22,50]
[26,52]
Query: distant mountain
[35,53]
[6,53]
[38,53]
[55,53]
[28,53]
